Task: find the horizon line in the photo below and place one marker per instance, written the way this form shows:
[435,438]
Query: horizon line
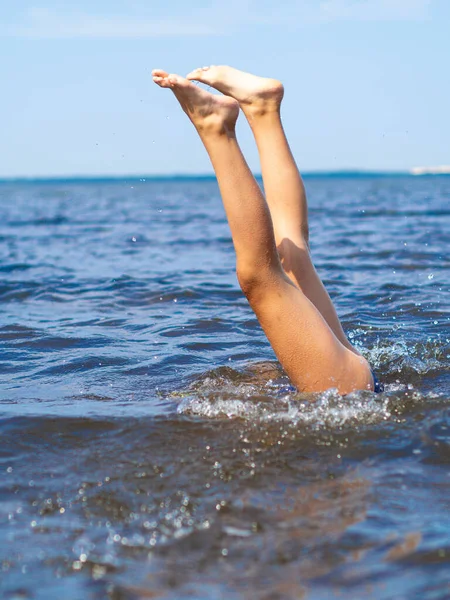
[142,178]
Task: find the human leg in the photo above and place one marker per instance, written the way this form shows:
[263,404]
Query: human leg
[260,100]
[307,348]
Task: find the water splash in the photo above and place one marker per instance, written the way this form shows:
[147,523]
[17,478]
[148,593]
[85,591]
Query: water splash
[262,393]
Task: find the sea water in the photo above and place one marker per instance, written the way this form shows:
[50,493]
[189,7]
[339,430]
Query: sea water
[150,444]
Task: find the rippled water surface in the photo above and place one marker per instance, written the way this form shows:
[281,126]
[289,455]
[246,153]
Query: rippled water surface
[151,446]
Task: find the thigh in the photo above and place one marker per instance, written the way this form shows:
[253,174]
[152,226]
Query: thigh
[298,266]
[307,348]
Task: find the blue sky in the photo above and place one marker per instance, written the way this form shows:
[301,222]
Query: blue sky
[366,81]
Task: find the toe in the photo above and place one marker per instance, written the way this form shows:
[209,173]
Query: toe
[163,82]
[196,74]
[159,73]
[177,80]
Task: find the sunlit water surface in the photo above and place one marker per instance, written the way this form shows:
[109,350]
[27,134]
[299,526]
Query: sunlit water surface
[151,446]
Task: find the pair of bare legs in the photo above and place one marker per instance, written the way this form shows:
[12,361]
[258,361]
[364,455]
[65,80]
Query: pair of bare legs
[270,235]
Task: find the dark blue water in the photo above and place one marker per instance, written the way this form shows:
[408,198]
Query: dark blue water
[150,446]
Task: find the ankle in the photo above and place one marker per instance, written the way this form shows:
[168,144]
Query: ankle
[267,102]
[215,127]
[264,117]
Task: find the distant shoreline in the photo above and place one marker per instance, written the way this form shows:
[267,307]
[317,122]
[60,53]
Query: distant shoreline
[346,174]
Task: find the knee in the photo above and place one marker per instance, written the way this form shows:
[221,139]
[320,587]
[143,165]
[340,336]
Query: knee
[294,256]
[258,282]
[251,280]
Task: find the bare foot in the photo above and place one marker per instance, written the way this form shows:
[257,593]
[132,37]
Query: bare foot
[256,95]
[209,113]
